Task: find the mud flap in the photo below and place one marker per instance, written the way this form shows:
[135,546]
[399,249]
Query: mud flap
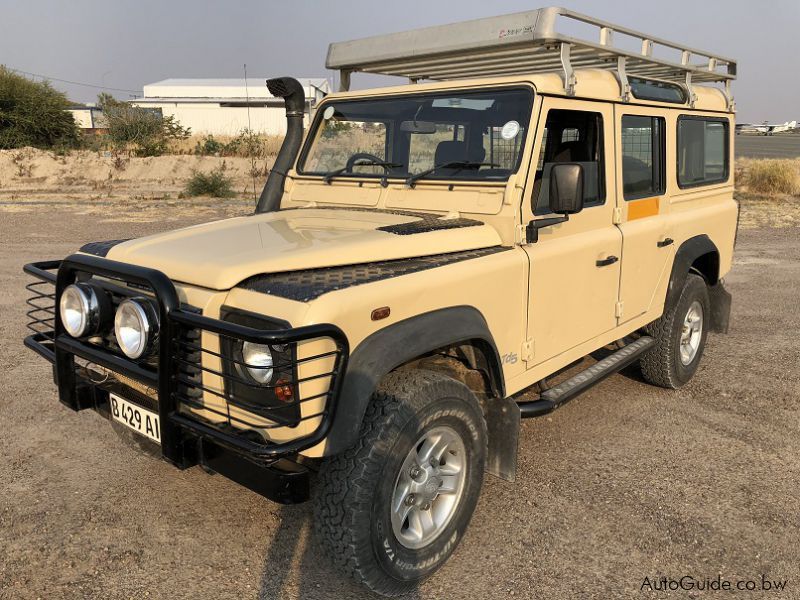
[720,308]
[502,423]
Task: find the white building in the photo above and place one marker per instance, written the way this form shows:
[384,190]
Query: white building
[87,116]
[219,106]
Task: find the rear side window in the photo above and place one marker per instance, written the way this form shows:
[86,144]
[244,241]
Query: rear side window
[643,150]
[702,151]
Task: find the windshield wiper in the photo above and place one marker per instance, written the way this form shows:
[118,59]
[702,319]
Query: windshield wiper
[359,163]
[458,165]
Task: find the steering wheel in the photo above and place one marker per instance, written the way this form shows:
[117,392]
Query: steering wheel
[351,162]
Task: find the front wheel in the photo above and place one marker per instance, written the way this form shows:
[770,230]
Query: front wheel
[392,509]
[680,336]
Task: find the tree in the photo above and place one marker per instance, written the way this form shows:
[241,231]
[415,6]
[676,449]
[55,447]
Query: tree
[146,130]
[34,114]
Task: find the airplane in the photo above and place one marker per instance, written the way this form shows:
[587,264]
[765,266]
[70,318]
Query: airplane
[765,128]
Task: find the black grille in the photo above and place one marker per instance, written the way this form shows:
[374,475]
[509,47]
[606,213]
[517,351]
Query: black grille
[188,371]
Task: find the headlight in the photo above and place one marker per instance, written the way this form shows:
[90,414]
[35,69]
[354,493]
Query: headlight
[135,327]
[80,310]
[258,359]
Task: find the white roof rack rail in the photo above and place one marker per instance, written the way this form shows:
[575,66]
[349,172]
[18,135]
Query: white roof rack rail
[525,43]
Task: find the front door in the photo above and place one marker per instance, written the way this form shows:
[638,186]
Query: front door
[574,266]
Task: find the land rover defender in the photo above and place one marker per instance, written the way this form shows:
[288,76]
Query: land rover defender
[428,264]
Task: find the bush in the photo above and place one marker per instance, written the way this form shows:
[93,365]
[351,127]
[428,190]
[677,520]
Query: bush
[147,131]
[770,176]
[209,146]
[215,184]
[33,114]
[247,144]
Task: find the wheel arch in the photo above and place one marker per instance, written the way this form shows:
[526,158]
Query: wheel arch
[697,254]
[399,343]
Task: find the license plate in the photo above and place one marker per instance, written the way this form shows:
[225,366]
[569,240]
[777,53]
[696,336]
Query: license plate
[135,417]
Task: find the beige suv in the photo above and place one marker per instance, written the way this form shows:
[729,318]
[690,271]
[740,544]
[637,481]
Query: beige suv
[419,262]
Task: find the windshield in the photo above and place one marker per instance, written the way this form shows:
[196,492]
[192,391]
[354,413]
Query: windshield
[454,135]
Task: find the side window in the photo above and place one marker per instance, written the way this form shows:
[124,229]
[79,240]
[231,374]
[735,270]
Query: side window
[571,136]
[702,151]
[643,150]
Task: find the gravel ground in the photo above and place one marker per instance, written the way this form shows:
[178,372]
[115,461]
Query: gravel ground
[626,482]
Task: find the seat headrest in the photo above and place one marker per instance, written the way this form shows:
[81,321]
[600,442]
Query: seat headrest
[574,151]
[452,151]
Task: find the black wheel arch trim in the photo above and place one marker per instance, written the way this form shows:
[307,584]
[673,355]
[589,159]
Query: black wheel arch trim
[388,348]
[688,252]
[686,255]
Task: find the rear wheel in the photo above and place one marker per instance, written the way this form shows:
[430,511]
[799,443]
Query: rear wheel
[680,336]
[392,509]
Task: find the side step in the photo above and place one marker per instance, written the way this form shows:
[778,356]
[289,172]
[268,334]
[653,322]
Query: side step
[551,399]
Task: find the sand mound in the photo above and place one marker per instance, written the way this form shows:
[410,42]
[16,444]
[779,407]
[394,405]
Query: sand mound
[29,173]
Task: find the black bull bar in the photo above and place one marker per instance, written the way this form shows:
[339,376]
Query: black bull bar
[186,440]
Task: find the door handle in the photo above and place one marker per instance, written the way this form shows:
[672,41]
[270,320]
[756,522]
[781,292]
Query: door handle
[665,242]
[606,261]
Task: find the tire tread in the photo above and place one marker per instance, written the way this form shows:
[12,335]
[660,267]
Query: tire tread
[658,365]
[348,479]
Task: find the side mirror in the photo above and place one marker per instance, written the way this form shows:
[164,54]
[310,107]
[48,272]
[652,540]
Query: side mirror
[566,188]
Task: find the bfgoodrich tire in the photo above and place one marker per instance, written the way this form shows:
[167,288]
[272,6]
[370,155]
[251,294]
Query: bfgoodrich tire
[680,336]
[391,509]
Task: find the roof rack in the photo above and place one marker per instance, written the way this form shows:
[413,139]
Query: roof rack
[525,43]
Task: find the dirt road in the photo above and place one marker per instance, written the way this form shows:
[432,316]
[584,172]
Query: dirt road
[626,482]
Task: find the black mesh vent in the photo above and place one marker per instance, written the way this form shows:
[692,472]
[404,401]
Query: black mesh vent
[429,223]
[425,221]
[100,248]
[312,283]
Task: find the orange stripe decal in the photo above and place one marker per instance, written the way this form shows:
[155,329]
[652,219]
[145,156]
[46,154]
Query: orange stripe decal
[639,209]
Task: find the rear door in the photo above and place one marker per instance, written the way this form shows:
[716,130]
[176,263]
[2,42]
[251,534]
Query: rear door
[641,139]
[574,266]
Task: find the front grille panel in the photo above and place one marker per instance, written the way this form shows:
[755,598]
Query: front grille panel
[206,379]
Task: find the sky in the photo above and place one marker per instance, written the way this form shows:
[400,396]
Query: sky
[125,44]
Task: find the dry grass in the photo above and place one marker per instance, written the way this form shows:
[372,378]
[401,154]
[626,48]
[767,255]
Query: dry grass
[769,176]
[270,144]
[768,192]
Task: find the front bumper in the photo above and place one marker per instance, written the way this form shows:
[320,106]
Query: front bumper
[225,444]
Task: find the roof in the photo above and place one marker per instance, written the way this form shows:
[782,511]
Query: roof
[536,41]
[226,89]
